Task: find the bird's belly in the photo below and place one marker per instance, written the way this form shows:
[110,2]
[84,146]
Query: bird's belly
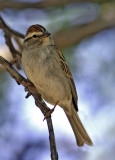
[50,86]
[51,90]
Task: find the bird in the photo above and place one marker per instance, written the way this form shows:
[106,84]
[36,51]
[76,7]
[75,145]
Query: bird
[45,66]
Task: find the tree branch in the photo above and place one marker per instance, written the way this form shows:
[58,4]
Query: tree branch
[38,101]
[73,35]
[7,29]
[9,33]
[21,80]
[44,4]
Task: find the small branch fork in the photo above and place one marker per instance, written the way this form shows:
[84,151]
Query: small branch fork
[21,80]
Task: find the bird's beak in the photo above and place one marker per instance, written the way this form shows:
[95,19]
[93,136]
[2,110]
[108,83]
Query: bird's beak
[46,34]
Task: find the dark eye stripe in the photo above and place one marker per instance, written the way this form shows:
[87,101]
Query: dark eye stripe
[27,39]
[35,36]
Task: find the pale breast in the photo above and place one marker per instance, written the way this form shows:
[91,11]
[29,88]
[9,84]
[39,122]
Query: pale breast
[45,73]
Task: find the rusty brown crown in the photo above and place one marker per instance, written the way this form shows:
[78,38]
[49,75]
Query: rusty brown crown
[35,28]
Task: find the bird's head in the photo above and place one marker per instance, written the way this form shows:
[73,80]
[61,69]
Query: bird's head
[37,34]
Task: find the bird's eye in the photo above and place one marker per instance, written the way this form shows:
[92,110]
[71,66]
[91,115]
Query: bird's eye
[34,36]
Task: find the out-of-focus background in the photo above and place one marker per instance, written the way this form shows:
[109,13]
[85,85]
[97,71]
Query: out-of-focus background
[85,32]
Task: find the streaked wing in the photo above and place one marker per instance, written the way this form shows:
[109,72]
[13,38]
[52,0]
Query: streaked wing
[69,76]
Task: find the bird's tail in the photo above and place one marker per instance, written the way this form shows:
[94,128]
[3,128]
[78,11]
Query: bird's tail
[78,129]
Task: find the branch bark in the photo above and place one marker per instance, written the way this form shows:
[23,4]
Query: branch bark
[38,101]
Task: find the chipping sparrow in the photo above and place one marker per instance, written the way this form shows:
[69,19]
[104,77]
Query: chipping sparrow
[45,66]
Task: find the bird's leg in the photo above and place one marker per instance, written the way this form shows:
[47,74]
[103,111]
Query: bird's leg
[51,111]
[14,60]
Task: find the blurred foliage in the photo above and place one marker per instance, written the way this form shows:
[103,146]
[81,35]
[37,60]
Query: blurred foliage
[4,81]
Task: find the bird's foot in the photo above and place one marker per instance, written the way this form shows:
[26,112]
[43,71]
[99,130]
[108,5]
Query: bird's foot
[14,60]
[48,114]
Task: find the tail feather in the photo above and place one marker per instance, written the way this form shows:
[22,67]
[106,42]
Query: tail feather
[78,129]
[79,139]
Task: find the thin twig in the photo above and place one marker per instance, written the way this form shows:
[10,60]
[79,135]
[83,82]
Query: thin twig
[38,101]
[54,154]
[16,54]
[7,29]
[8,33]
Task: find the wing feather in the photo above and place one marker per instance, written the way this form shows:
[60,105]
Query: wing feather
[69,76]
